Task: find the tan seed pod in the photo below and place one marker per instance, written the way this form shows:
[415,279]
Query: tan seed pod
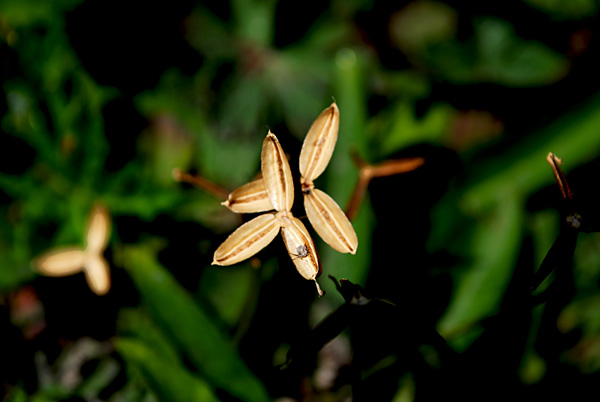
[301,249]
[250,198]
[247,240]
[277,175]
[98,229]
[71,260]
[319,144]
[60,262]
[97,274]
[330,222]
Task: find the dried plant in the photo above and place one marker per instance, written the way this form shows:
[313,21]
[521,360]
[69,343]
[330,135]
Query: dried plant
[71,260]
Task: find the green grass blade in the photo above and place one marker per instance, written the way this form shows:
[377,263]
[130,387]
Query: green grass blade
[184,321]
[170,382]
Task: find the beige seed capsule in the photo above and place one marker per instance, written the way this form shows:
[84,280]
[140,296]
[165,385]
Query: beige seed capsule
[71,260]
[250,198]
[97,274]
[98,229]
[301,248]
[319,144]
[277,175]
[330,222]
[60,262]
[247,240]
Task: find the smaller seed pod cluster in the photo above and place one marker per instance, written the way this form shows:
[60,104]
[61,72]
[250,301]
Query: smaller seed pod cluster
[275,192]
[71,260]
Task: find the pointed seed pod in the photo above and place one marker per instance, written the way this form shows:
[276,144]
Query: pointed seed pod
[61,262]
[301,249]
[319,144]
[277,175]
[97,274]
[247,240]
[98,229]
[330,222]
[250,198]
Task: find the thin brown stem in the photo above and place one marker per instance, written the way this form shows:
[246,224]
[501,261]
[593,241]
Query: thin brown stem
[560,177]
[389,168]
[368,172]
[357,196]
[200,182]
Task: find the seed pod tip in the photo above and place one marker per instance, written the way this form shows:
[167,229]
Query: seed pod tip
[321,293]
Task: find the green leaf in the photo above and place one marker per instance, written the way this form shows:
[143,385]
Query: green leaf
[228,290]
[170,382]
[575,138]
[254,19]
[134,323]
[188,325]
[494,250]
[496,54]
[405,129]
[561,10]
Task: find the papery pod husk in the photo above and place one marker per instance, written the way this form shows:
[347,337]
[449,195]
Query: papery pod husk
[98,230]
[277,175]
[60,262]
[250,198]
[296,238]
[97,274]
[247,240]
[330,222]
[319,143]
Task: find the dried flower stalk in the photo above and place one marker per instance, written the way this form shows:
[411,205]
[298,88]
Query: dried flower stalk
[368,172]
[555,162]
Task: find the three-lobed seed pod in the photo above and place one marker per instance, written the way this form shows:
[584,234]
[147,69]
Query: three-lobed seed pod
[71,260]
[325,215]
[276,192]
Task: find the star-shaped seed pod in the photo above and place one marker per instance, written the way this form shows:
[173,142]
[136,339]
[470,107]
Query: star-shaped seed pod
[276,192]
[325,215]
[71,260]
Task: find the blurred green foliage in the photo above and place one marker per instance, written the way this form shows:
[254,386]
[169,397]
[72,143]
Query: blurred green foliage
[195,333]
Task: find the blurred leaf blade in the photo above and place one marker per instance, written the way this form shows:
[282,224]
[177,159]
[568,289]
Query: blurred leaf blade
[495,246]
[135,324]
[169,381]
[191,328]
[496,54]
[574,137]
[341,173]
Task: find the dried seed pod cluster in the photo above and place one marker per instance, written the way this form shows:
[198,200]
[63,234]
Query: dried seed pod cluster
[71,260]
[276,191]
